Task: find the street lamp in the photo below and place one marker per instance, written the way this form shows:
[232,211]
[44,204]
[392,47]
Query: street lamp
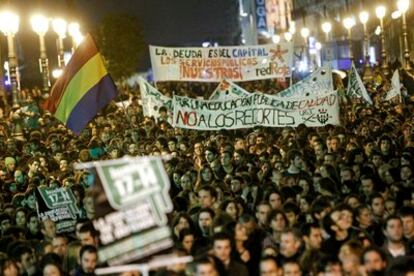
[59,26]
[40,25]
[9,25]
[349,22]
[76,35]
[326,28]
[380,11]
[288,36]
[276,39]
[403,6]
[363,17]
[304,32]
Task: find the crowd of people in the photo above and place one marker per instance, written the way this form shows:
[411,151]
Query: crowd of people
[334,200]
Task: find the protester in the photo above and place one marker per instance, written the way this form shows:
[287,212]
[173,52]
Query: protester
[260,201]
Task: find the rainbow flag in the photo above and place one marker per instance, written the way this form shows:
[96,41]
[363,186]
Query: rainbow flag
[84,88]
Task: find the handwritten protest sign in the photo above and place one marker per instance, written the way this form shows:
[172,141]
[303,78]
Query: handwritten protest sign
[318,83]
[256,110]
[131,209]
[59,205]
[152,100]
[242,63]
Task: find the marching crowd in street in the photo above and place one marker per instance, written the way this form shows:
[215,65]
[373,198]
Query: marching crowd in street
[333,200]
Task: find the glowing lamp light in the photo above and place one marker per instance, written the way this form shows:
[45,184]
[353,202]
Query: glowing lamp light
[326,27]
[349,22]
[396,14]
[59,26]
[9,23]
[318,46]
[40,24]
[304,32]
[378,30]
[363,17]
[78,38]
[288,36]
[73,29]
[276,39]
[380,12]
[403,5]
[57,73]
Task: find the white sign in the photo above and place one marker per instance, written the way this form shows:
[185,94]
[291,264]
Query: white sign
[242,63]
[256,110]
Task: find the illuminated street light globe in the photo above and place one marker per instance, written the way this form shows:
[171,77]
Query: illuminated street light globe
[304,32]
[9,23]
[73,29]
[396,14]
[380,12]
[40,24]
[363,17]
[349,22]
[288,36]
[276,39]
[403,5]
[59,26]
[326,27]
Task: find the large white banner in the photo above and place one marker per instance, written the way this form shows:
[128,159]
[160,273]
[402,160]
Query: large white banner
[256,110]
[152,100]
[215,64]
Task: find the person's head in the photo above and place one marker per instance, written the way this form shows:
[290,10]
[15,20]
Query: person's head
[278,220]
[269,267]
[8,267]
[33,223]
[374,259]
[205,266]
[393,229]
[88,235]
[186,238]
[20,217]
[23,255]
[230,207]
[210,154]
[60,245]
[275,199]
[350,254]
[88,258]
[207,196]
[292,212]
[205,220]
[5,222]
[290,242]
[407,216]
[291,268]
[367,185]
[295,159]
[376,202]
[364,216]
[52,269]
[312,235]
[346,174]
[48,229]
[262,212]
[222,247]
[225,158]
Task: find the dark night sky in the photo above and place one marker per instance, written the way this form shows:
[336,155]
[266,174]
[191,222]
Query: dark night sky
[173,22]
